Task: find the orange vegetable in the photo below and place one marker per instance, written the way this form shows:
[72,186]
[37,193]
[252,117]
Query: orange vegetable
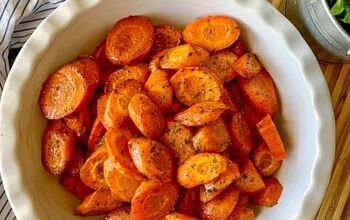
[154,63]
[121,183]
[79,122]
[96,135]
[243,200]
[264,160]
[210,190]
[146,116]
[238,47]
[221,64]
[69,89]
[269,133]
[250,180]
[178,216]
[117,147]
[212,32]
[98,202]
[75,186]
[130,40]
[242,213]
[179,138]
[213,137]
[159,90]
[222,205]
[91,173]
[201,113]
[201,168]
[247,65]
[138,72]
[193,85]
[188,204]
[260,93]
[270,195]
[165,37]
[182,56]
[121,213]
[152,159]
[57,147]
[154,200]
[112,107]
[241,135]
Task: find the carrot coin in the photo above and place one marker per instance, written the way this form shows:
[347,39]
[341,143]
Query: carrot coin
[146,116]
[130,40]
[79,122]
[213,33]
[57,147]
[250,180]
[241,135]
[221,64]
[98,202]
[154,200]
[69,89]
[264,161]
[247,65]
[241,213]
[270,195]
[154,63]
[121,213]
[152,159]
[165,37]
[138,72]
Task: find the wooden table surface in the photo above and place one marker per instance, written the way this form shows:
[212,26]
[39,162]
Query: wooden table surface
[336,203]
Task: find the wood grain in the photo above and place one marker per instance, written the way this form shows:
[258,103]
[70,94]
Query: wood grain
[336,203]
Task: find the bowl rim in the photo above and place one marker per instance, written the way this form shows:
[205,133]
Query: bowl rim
[10,102]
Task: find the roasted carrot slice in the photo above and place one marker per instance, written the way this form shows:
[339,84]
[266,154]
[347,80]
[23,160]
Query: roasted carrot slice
[238,47]
[112,108]
[121,183]
[247,65]
[241,135]
[98,202]
[165,37]
[130,40]
[146,116]
[182,56]
[260,93]
[138,72]
[179,138]
[154,200]
[201,168]
[269,133]
[178,216]
[79,122]
[106,67]
[96,135]
[91,173]
[212,32]
[154,63]
[210,190]
[75,186]
[242,213]
[152,159]
[121,213]
[189,202]
[193,85]
[76,163]
[270,195]
[159,90]
[243,199]
[264,160]
[117,147]
[250,180]
[57,147]
[69,89]
[201,113]
[213,137]
[222,205]
[221,64]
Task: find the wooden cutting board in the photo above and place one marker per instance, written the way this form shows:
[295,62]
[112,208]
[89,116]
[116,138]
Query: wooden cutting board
[336,203]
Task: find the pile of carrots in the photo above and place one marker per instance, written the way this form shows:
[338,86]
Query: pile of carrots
[163,124]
